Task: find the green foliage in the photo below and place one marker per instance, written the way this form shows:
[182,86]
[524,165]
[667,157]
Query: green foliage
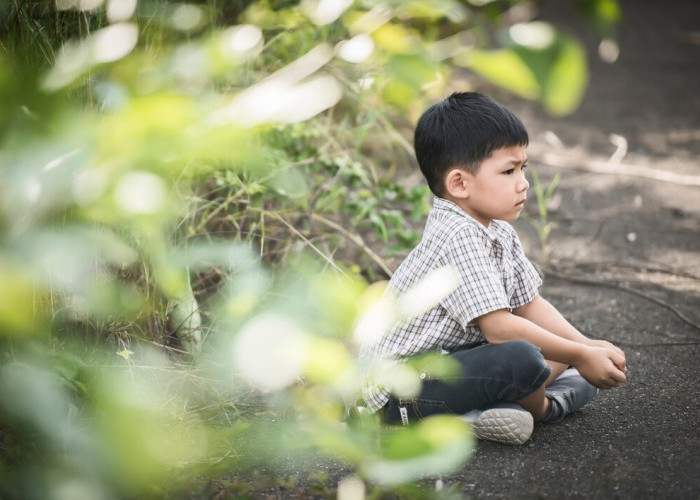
[603,15]
[193,199]
[541,223]
[538,62]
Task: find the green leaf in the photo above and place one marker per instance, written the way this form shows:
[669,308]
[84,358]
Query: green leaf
[290,183]
[505,68]
[552,186]
[435,445]
[17,300]
[379,225]
[567,79]
[395,38]
[603,15]
[398,93]
[555,72]
[411,69]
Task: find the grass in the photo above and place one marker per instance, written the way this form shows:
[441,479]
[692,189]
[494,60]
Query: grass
[541,223]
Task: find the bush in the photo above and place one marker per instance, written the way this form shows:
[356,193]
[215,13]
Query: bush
[193,202]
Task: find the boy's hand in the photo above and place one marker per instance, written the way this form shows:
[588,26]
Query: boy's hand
[607,345]
[603,367]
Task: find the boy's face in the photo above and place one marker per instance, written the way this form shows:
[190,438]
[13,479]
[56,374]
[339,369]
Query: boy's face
[498,189]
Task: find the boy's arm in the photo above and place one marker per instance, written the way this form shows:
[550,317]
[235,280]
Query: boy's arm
[598,365]
[544,314]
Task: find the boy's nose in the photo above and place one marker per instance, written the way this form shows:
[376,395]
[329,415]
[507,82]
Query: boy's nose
[523,185]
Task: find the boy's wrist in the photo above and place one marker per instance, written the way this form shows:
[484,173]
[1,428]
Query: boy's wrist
[578,354]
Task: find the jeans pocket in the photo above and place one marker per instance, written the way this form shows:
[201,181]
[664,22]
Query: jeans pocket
[423,408]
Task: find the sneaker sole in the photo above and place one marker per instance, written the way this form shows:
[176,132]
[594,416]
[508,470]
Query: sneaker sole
[504,425]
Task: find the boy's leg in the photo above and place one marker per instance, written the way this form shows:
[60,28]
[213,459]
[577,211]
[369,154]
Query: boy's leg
[491,374]
[568,393]
[537,403]
[557,369]
[564,392]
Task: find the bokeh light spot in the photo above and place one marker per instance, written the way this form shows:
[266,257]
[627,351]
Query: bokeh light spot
[140,192]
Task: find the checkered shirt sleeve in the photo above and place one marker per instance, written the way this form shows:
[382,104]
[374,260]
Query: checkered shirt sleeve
[481,289]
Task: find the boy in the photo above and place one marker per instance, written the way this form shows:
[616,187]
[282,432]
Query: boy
[521,361]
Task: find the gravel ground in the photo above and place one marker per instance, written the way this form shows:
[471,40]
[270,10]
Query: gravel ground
[640,440]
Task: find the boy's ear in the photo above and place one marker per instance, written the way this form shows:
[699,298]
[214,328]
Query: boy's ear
[457,183]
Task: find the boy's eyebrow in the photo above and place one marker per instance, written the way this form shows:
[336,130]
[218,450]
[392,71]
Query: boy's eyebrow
[516,161]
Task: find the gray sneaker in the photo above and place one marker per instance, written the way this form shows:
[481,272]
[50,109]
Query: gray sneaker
[569,393]
[504,423]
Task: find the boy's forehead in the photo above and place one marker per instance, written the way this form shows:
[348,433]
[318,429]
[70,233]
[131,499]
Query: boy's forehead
[511,154]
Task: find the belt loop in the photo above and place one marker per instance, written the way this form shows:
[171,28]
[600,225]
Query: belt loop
[404,415]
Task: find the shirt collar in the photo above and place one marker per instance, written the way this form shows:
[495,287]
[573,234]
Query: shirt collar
[492,232]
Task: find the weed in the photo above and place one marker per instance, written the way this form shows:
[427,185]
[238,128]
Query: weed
[541,223]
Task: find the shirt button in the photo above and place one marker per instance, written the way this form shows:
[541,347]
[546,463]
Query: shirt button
[422,376]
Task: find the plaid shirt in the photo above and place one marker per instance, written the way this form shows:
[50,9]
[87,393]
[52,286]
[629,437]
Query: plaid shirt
[493,272]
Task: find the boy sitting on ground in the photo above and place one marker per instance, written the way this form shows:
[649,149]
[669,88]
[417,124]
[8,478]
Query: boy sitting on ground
[521,360]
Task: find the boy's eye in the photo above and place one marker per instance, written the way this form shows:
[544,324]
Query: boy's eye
[511,171]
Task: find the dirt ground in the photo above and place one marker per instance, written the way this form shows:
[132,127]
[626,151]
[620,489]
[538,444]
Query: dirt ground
[624,266]
[637,231]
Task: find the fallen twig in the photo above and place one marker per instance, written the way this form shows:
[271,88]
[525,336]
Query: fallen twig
[641,267]
[655,344]
[596,282]
[628,169]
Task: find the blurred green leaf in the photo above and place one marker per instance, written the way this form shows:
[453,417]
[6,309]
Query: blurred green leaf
[17,301]
[567,79]
[327,360]
[396,39]
[290,182]
[434,10]
[503,67]
[136,423]
[435,445]
[413,70]
[541,63]
[603,15]
[31,395]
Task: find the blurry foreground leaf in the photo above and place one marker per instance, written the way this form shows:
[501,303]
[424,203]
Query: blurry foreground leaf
[604,15]
[540,62]
[17,296]
[435,445]
[505,68]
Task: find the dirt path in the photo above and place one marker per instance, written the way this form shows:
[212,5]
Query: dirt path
[641,440]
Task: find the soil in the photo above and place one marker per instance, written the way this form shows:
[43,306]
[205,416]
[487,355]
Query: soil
[624,266]
[618,232]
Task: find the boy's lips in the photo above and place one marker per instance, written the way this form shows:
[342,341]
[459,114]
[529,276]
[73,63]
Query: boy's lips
[521,203]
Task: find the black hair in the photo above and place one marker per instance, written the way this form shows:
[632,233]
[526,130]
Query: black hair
[462,131]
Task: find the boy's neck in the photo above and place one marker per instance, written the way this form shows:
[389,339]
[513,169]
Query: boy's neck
[462,203]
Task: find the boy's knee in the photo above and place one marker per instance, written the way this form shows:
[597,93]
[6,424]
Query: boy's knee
[522,350]
[527,364]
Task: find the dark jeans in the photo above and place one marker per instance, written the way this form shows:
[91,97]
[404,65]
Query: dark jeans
[491,373]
